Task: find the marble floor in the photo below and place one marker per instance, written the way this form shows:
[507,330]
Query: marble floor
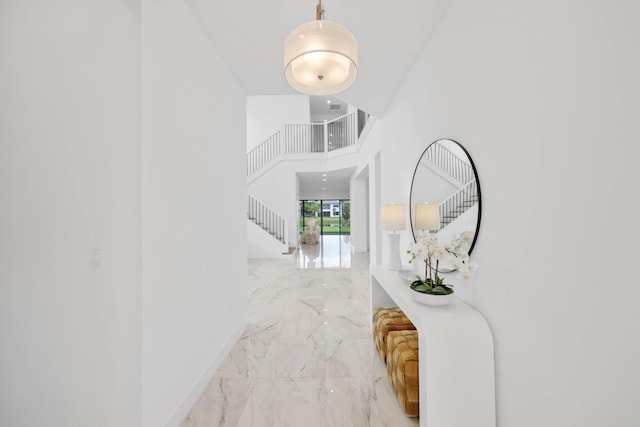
[330,251]
[307,356]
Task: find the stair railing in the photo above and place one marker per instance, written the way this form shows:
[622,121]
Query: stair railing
[266,218]
[442,157]
[458,203]
[342,132]
[306,138]
[303,138]
[264,153]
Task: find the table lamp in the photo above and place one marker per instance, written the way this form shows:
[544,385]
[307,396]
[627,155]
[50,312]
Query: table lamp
[392,218]
[427,216]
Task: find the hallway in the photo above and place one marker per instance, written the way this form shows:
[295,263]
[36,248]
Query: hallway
[307,357]
[332,250]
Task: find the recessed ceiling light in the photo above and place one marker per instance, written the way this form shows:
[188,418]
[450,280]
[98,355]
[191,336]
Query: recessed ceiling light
[328,101]
[323,189]
[324,179]
[324,174]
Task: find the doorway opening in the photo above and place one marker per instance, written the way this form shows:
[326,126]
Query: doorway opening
[331,220]
[332,216]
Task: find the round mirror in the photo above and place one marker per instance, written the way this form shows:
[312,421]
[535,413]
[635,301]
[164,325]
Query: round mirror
[446,176]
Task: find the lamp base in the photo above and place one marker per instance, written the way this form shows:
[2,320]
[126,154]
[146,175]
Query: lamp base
[394,252]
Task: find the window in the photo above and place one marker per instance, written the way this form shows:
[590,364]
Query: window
[334,215]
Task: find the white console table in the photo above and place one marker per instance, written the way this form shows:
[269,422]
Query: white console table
[457,372]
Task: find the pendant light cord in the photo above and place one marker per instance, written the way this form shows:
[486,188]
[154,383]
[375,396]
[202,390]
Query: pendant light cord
[319,11]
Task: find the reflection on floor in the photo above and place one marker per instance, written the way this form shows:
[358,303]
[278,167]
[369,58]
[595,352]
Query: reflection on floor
[330,251]
[307,357]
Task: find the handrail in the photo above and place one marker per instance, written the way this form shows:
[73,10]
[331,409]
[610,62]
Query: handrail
[267,219]
[342,132]
[305,138]
[442,157]
[458,203]
[264,153]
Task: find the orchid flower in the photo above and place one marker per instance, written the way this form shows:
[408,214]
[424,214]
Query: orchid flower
[427,248]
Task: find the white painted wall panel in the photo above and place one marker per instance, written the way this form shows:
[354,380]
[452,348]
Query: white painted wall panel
[194,211]
[544,97]
[70,300]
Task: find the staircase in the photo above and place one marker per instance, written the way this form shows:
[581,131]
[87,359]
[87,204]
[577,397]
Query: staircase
[275,239]
[307,138]
[458,173]
[441,157]
[309,141]
[267,219]
[458,203]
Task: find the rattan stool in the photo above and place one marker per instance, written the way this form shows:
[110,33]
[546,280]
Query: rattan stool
[385,320]
[402,367]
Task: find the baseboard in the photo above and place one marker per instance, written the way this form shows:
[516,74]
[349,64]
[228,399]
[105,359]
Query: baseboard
[192,396]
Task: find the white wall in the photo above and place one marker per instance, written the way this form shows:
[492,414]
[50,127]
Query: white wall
[359,216]
[267,114]
[544,95]
[194,211]
[364,202]
[71,311]
[262,245]
[70,217]
[329,115]
[325,195]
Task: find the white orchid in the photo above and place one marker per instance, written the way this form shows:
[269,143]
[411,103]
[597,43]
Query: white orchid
[456,252]
[464,266]
[461,244]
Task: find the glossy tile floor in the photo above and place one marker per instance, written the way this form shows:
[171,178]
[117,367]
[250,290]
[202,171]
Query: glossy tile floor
[331,251]
[307,357]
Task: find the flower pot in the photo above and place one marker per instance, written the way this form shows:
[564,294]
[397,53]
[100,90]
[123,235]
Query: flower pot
[431,299]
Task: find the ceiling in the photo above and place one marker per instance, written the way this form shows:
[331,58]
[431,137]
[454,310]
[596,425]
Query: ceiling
[328,182]
[326,108]
[250,36]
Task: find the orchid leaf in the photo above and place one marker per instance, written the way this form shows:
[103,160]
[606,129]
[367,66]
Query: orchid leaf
[421,288]
[440,290]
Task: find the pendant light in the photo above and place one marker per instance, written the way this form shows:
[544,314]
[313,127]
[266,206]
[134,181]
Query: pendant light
[320,57]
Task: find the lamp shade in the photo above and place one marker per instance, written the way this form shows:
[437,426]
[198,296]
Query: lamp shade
[427,216]
[392,216]
[320,58]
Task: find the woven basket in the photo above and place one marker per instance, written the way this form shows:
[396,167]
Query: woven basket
[385,320]
[402,367]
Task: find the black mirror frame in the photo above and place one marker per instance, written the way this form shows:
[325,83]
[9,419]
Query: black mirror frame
[475,174]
